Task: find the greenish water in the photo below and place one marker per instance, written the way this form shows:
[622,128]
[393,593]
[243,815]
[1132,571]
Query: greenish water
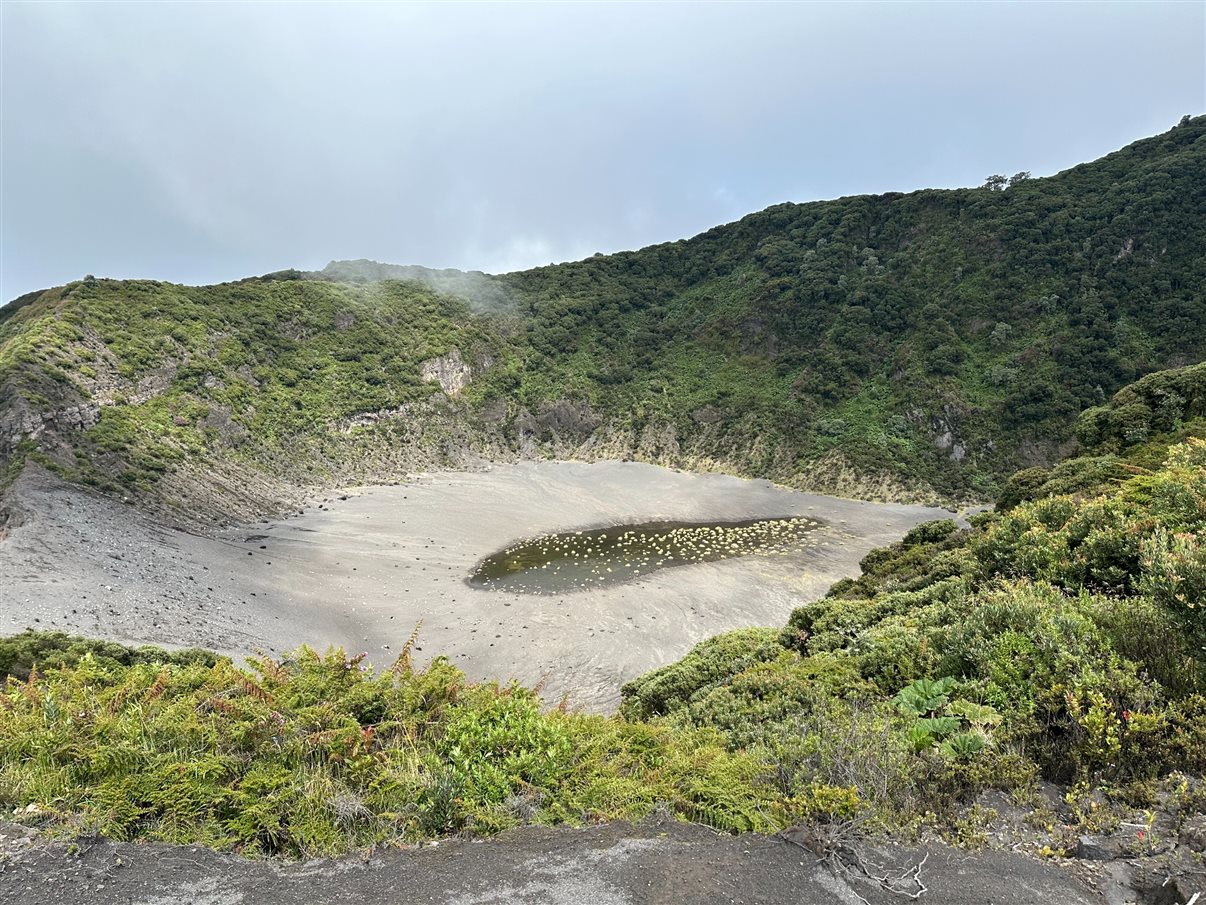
[574,560]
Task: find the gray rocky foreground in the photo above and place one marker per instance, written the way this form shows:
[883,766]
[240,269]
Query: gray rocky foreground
[617,864]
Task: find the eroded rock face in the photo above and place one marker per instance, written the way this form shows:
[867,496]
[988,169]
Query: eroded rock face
[1193,833]
[946,434]
[450,371]
[228,432]
[494,411]
[23,423]
[111,391]
[365,419]
[566,418]
[526,428]
[558,427]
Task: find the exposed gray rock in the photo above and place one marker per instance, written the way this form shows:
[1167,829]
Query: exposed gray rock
[526,429]
[151,384]
[229,432]
[565,417]
[450,371]
[1089,848]
[246,372]
[364,419]
[23,422]
[946,434]
[615,864]
[494,411]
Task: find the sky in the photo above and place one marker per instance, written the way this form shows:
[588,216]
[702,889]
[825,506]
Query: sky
[203,142]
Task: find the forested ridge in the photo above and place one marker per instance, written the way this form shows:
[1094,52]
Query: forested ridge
[946,335]
[920,345]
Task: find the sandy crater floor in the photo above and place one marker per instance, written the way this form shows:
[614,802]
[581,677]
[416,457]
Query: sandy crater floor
[362,572]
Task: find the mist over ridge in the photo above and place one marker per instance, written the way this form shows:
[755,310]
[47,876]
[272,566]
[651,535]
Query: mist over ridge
[136,156]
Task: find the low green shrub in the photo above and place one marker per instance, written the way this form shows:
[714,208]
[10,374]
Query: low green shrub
[52,650]
[664,690]
[754,705]
[929,532]
[1071,627]
[316,754]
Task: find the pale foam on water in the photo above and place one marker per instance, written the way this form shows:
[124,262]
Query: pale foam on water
[575,560]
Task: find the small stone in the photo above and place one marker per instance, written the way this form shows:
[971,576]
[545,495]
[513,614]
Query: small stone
[1090,849]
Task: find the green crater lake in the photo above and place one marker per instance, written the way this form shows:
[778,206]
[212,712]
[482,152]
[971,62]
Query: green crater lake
[578,560]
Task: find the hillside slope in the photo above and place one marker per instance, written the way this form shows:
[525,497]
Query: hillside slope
[917,346]
[1033,682]
[943,337]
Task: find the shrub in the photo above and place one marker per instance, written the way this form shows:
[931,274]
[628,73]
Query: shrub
[754,705]
[858,747]
[819,801]
[1174,575]
[1021,487]
[52,650]
[316,754]
[498,741]
[664,690]
[929,532]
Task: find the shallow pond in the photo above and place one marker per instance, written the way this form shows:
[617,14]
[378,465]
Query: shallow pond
[575,560]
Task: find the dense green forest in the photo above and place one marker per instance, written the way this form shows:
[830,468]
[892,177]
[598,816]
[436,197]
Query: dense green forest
[874,325]
[1062,637]
[919,345]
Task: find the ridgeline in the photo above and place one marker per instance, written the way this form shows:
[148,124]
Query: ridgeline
[916,346]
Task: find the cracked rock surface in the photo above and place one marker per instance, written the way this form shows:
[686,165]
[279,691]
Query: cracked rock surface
[615,864]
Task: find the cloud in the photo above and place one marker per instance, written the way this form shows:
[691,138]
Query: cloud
[202,142]
[517,253]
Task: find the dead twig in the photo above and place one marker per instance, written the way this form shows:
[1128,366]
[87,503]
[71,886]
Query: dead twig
[843,858]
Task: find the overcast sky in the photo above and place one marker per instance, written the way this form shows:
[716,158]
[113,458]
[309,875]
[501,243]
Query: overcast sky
[201,142]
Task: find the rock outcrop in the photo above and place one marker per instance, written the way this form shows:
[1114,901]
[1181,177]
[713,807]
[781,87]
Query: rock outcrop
[22,422]
[450,371]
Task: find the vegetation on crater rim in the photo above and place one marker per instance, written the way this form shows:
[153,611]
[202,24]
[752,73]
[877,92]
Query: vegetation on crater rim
[914,345]
[1065,639]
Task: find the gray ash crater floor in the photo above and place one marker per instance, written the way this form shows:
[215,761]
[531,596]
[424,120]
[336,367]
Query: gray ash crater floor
[364,570]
